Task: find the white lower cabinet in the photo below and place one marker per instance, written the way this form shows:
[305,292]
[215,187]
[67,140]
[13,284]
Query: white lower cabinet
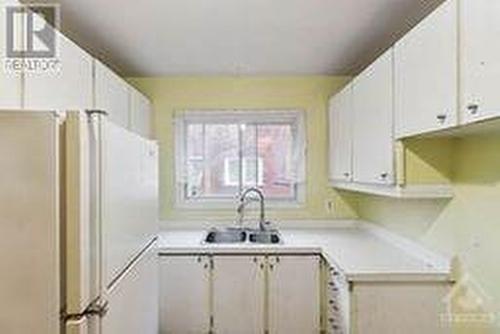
[294,294]
[184,294]
[240,294]
[399,307]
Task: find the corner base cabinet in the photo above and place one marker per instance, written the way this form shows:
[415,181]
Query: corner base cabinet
[399,307]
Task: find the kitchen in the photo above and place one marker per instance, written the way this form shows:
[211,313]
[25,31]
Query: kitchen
[332,169]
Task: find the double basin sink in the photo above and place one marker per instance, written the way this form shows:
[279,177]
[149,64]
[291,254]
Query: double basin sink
[242,235]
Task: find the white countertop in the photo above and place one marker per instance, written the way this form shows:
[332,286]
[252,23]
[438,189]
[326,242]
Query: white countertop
[363,255]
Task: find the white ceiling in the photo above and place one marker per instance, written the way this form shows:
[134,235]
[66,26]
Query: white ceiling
[247,37]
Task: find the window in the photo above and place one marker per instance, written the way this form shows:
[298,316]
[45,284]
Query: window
[220,153]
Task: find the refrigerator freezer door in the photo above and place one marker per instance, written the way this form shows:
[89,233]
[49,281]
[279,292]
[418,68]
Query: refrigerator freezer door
[133,298]
[129,197]
[29,222]
[82,264]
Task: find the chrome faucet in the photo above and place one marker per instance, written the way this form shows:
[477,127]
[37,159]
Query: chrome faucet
[244,202]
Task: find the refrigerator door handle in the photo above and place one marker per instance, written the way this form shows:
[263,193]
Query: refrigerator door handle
[98,308]
[91,112]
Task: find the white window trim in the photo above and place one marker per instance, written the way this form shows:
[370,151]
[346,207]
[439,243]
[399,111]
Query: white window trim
[183,117]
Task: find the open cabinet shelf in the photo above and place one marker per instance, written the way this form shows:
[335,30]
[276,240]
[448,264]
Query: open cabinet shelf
[427,191]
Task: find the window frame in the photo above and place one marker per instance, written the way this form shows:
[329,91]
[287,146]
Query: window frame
[183,118]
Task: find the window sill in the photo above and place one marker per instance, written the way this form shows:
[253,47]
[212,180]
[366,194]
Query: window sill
[232,205]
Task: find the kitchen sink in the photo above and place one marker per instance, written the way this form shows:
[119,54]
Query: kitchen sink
[242,235]
[229,235]
[264,237]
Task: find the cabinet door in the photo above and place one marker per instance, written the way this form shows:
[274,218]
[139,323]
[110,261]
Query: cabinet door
[184,294]
[480,59]
[111,95]
[294,288]
[426,77]
[410,308]
[67,88]
[238,294]
[340,113]
[373,123]
[10,82]
[140,114]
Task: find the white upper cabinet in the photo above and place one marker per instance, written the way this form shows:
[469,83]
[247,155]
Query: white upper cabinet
[68,88]
[480,59]
[111,95]
[340,122]
[10,82]
[426,79]
[373,159]
[140,113]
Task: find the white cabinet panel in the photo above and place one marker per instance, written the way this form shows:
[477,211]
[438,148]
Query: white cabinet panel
[141,113]
[340,119]
[133,299]
[184,294]
[10,82]
[129,196]
[68,88]
[294,288]
[238,294]
[480,59]
[409,308]
[426,64]
[373,151]
[111,94]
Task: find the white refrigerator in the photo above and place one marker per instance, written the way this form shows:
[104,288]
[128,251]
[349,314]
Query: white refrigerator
[78,225]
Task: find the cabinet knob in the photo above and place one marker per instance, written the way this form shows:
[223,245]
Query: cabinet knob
[441,117]
[346,174]
[384,176]
[473,108]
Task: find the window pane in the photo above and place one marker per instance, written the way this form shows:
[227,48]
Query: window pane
[275,148]
[194,159]
[221,161]
[249,152]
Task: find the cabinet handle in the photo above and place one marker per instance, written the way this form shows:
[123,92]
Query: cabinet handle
[384,176]
[473,108]
[441,117]
[346,174]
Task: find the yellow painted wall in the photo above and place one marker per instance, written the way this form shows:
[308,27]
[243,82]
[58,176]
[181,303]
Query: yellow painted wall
[310,93]
[468,226]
